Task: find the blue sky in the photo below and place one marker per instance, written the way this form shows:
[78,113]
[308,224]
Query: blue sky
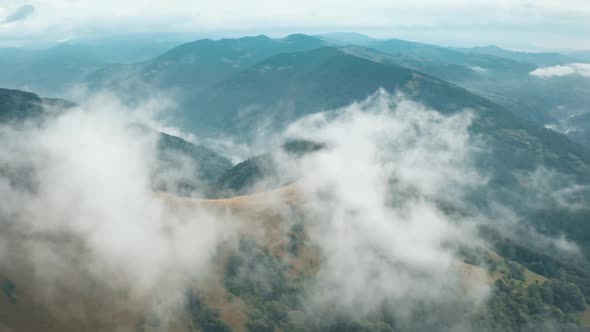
[509,23]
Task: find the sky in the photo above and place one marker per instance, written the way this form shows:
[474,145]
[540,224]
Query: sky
[525,24]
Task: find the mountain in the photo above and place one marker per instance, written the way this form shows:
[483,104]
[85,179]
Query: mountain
[55,70]
[428,53]
[126,49]
[524,286]
[541,59]
[262,172]
[268,94]
[297,84]
[301,83]
[258,282]
[184,74]
[194,168]
[191,67]
[50,71]
[16,105]
[500,75]
[447,54]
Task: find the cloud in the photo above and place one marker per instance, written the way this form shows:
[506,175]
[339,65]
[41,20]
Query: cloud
[478,69]
[565,22]
[374,207]
[371,198]
[579,69]
[77,201]
[20,14]
[370,202]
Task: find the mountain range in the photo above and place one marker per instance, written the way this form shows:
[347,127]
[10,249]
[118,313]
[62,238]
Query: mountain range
[254,87]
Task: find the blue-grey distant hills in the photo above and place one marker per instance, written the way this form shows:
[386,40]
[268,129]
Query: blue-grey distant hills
[192,67]
[240,87]
[142,67]
[57,69]
[234,86]
[502,76]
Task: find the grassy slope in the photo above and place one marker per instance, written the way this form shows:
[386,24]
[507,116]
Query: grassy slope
[261,216]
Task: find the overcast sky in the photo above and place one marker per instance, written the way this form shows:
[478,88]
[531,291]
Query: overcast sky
[510,23]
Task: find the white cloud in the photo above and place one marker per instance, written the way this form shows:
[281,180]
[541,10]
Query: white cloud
[372,198]
[372,203]
[478,69]
[91,209]
[580,69]
[58,19]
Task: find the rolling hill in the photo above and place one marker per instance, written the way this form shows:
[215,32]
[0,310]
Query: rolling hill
[500,75]
[260,279]
[297,84]
[188,72]
[191,67]
[526,286]
[55,70]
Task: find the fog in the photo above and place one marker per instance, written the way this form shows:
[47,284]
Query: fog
[87,207]
[78,199]
[372,196]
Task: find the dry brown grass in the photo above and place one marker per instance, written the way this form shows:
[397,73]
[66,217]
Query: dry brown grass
[81,304]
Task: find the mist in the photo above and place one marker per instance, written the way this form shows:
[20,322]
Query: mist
[87,209]
[372,198]
[80,208]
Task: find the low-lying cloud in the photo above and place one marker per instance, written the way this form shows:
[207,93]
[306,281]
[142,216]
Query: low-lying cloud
[77,201]
[372,197]
[76,192]
[578,69]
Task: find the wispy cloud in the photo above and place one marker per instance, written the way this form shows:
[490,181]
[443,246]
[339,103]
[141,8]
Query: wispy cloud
[580,69]
[19,14]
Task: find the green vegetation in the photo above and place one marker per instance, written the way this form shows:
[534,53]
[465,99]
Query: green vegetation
[520,299]
[241,178]
[254,272]
[15,104]
[263,170]
[532,289]
[202,317]
[274,300]
[261,280]
[185,168]
[512,306]
[231,87]
[296,238]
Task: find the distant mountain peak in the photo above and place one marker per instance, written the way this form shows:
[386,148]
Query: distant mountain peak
[258,37]
[299,37]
